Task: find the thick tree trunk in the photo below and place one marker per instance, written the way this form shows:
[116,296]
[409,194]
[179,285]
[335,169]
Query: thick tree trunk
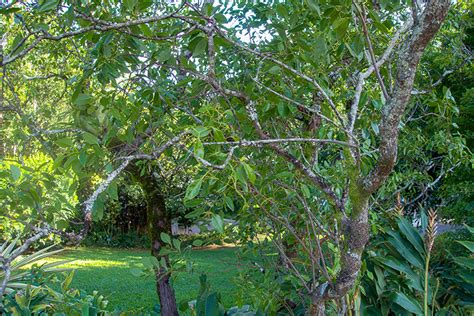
[159,221]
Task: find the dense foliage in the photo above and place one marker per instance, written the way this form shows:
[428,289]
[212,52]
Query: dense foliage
[301,120]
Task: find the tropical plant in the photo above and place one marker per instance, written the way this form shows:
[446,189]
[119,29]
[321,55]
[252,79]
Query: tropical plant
[209,303]
[29,287]
[401,276]
[14,276]
[54,296]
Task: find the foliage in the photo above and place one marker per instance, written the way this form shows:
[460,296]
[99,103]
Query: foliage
[455,268]
[34,287]
[209,303]
[396,265]
[43,297]
[19,277]
[288,117]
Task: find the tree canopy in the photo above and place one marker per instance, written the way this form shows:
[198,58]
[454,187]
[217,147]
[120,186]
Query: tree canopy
[287,116]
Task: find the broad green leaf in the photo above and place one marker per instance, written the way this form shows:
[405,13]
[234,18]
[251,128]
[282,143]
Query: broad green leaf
[199,149]
[193,189]
[313,5]
[200,47]
[408,303]
[395,264]
[201,131]
[166,238]
[274,70]
[15,172]
[218,223]
[90,139]
[468,244]
[250,173]
[164,54]
[176,243]
[197,243]
[82,99]
[305,190]
[471,229]
[467,276]
[230,203]
[412,235]
[64,142]
[211,306]
[47,5]
[405,249]
[465,262]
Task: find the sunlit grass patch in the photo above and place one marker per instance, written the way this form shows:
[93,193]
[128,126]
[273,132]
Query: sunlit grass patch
[108,271]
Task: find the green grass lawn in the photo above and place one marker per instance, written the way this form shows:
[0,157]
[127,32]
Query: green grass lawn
[108,271]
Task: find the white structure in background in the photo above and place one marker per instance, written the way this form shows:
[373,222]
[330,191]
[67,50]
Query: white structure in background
[194,229]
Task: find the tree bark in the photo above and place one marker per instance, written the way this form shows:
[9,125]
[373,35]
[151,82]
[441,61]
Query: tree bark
[355,227]
[159,221]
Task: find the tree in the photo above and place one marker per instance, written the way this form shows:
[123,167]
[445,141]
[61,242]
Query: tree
[322,86]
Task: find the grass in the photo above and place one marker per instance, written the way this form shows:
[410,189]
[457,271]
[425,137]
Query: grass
[108,271]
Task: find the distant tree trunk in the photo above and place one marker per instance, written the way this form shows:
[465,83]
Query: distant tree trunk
[159,221]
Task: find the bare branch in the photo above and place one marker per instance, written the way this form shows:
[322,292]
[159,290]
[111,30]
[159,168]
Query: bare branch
[210,164]
[253,143]
[364,75]
[363,18]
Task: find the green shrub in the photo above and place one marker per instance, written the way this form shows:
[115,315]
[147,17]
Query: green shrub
[404,276]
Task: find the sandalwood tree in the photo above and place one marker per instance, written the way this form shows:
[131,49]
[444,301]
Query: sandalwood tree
[292,109]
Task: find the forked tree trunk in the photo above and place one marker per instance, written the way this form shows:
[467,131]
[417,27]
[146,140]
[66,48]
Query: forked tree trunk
[159,221]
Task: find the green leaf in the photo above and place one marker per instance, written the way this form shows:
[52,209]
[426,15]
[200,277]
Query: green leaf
[230,203]
[468,244]
[471,229]
[250,173]
[90,139]
[166,238]
[193,189]
[200,47]
[282,109]
[465,262]
[218,135]
[217,223]
[395,264]
[412,235]
[199,149]
[83,158]
[201,131]
[405,249]
[197,243]
[82,99]
[64,142]
[47,5]
[67,281]
[164,54]
[341,26]
[314,6]
[408,303]
[15,172]
[274,70]
[305,190]
[177,243]
[375,127]
[211,306]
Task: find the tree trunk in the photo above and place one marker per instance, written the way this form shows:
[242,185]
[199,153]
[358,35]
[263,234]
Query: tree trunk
[317,308]
[159,221]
